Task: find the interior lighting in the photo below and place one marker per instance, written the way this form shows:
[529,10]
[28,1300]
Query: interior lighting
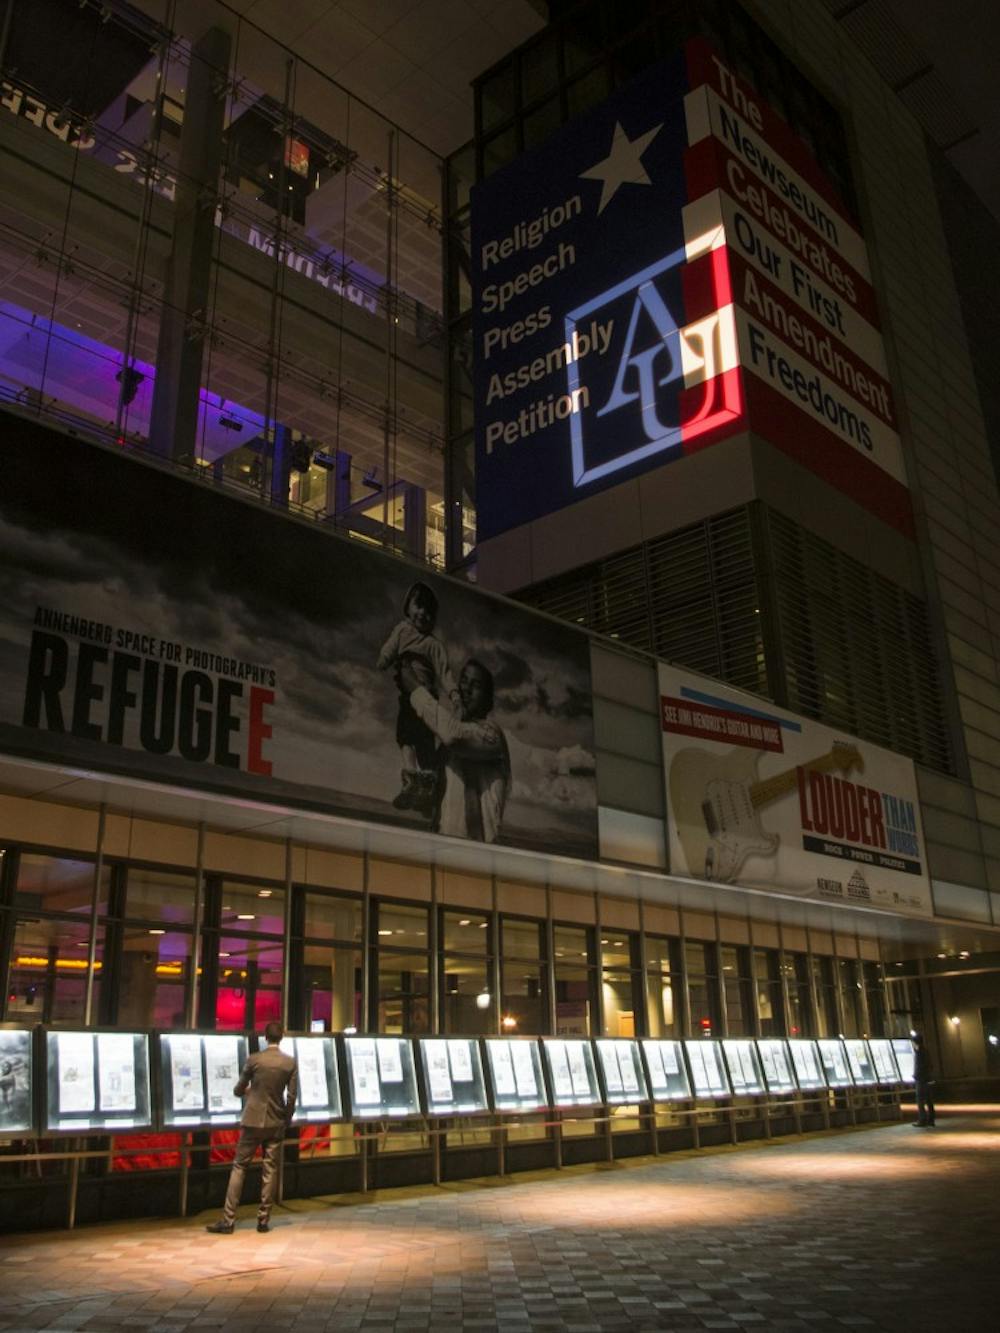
[264,893]
[349,1032]
[483,1000]
[157,932]
[954,1020]
[385,932]
[466,922]
[245,916]
[509,1021]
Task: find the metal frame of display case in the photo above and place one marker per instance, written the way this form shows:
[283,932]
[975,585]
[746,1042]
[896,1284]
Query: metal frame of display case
[368,1130]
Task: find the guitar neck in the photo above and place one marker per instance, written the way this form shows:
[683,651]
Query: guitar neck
[782,783]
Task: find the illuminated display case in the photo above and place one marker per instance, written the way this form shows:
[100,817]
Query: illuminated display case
[515,1069]
[745,1073]
[572,1073]
[668,1078]
[860,1060]
[96,1082]
[620,1067]
[381,1078]
[776,1063]
[198,1071]
[17,1113]
[708,1073]
[883,1060]
[452,1069]
[808,1066]
[902,1049]
[834,1060]
[318,1100]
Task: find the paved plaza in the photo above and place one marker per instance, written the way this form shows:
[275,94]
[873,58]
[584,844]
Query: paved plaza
[882,1228]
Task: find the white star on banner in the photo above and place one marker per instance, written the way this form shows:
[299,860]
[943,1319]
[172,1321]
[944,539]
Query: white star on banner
[622,165]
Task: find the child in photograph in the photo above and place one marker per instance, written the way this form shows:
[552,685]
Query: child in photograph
[414,642]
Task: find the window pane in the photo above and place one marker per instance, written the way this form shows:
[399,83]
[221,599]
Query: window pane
[704,1007]
[521,939]
[48,973]
[619,1004]
[771,1009]
[156,895]
[467,1005]
[331,917]
[662,1005]
[250,973]
[253,907]
[152,989]
[617,949]
[332,982]
[572,942]
[573,1000]
[402,993]
[525,1005]
[55,884]
[406,925]
[661,953]
[699,958]
[465,932]
[738,1017]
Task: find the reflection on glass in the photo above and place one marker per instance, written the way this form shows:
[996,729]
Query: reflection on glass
[48,971]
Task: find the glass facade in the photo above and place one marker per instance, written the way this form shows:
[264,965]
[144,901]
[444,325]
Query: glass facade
[214,254]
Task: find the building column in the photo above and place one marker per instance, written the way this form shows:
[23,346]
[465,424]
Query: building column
[183,320]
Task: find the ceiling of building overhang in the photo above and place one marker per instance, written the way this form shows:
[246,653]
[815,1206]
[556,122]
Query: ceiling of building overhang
[63,784]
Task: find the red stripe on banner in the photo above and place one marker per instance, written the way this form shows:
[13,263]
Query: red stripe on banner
[740,268]
[712,411]
[706,167]
[806,440]
[706,285]
[702,168]
[785,142]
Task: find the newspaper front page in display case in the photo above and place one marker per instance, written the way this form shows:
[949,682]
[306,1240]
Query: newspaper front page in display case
[96,1081]
[902,1048]
[860,1061]
[744,1070]
[808,1067]
[776,1064]
[834,1059]
[883,1060]
[16,1083]
[668,1079]
[453,1075]
[318,1100]
[515,1066]
[621,1071]
[198,1072]
[572,1072]
[382,1078]
[707,1075]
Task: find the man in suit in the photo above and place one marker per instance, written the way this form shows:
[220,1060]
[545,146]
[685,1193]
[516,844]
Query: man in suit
[269,1083]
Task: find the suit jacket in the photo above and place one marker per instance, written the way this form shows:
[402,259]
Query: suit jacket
[269,1083]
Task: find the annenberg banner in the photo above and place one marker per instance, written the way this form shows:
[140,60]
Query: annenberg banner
[760,797]
[159,627]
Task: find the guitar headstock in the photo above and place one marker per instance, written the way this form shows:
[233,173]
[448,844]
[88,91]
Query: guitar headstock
[847,758]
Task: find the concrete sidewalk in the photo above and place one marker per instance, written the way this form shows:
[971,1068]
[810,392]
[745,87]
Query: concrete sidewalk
[883,1228]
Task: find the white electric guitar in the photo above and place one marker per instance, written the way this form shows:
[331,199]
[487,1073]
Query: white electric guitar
[715,799]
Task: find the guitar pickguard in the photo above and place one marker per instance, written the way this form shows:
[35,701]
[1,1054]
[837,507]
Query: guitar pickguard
[733,827]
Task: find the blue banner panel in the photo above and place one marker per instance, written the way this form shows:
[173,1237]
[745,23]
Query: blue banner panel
[577,259]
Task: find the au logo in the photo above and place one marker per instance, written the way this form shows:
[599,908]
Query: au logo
[642,396]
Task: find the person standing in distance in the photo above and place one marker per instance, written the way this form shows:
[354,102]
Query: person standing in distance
[269,1083]
[923,1082]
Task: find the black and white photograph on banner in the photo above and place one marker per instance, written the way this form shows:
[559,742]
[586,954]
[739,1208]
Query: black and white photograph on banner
[153,627]
[15,1081]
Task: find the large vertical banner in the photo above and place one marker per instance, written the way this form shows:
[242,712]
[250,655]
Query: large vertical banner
[765,799]
[599,349]
[158,627]
[666,270]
